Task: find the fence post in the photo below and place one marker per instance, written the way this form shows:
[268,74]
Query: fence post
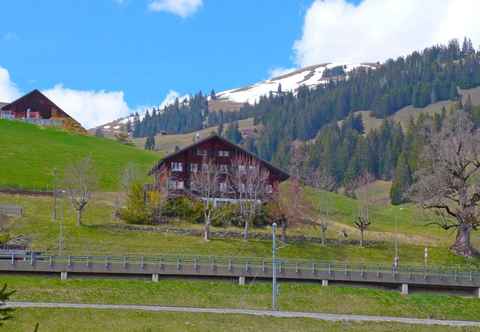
[404,289]
[241,280]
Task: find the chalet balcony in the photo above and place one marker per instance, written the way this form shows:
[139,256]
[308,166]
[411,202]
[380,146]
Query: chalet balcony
[43,122]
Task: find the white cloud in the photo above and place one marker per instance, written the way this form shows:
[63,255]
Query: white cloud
[182,8]
[8,89]
[375,30]
[170,98]
[90,108]
[275,72]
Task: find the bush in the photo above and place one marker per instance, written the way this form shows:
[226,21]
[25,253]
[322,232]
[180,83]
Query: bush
[183,208]
[225,215]
[137,211]
[4,237]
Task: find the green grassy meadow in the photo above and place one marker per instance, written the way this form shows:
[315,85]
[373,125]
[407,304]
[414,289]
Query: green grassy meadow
[306,297]
[62,320]
[29,153]
[102,234]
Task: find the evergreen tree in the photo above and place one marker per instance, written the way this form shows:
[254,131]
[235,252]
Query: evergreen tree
[5,313]
[150,143]
[401,181]
[220,129]
[232,133]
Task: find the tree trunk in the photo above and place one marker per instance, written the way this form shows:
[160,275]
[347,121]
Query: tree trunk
[79,217]
[245,230]
[361,237]
[206,228]
[462,245]
[284,231]
[323,236]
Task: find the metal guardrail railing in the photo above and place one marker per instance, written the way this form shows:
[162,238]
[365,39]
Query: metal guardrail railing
[254,267]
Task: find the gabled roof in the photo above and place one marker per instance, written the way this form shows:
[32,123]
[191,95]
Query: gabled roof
[283,175]
[34,93]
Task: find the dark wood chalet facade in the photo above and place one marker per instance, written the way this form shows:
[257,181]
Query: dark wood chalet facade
[176,174]
[35,107]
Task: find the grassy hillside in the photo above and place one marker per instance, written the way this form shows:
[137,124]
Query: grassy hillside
[404,115]
[101,234]
[29,153]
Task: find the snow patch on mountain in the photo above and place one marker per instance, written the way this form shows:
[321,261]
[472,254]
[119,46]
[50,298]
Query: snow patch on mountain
[311,76]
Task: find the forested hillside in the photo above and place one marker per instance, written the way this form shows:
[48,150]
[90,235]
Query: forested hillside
[312,115]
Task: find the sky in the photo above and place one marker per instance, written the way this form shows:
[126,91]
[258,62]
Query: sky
[102,59]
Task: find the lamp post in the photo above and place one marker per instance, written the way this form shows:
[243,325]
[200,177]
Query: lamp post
[60,224]
[274,267]
[396,259]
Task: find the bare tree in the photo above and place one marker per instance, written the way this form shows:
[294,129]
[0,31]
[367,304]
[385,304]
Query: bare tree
[448,180]
[129,176]
[205,183]
[80,181]
[363,221]
[249,181]
[321,180]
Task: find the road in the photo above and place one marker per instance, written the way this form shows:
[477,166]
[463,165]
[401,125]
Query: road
[282,314]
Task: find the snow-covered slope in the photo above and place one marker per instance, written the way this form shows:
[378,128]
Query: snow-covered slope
[232,100]
[308,76]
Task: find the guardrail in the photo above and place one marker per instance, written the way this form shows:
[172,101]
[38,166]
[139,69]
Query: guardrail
[242,267]
[11,210]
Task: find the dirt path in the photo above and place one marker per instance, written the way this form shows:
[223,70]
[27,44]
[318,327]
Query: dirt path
[280,314]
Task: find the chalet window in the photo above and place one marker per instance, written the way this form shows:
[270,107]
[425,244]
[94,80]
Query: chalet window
[205,167]
[223,168]
[194,168]
[202,152]
[176,166]
[176,185]
[269,189]
[223,187]
[223,153]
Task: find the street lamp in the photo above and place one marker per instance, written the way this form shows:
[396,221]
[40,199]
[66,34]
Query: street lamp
[274,267]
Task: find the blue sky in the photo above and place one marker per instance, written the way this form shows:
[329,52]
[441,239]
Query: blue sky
[100,59]
[122,45]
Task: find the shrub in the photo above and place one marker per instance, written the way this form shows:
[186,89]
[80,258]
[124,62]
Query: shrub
[137,210]
[225,215]
[183,208]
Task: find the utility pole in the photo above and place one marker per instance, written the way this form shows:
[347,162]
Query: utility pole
[274,267]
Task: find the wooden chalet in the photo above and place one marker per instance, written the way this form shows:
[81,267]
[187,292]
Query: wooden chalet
[176,174]
[35,107]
